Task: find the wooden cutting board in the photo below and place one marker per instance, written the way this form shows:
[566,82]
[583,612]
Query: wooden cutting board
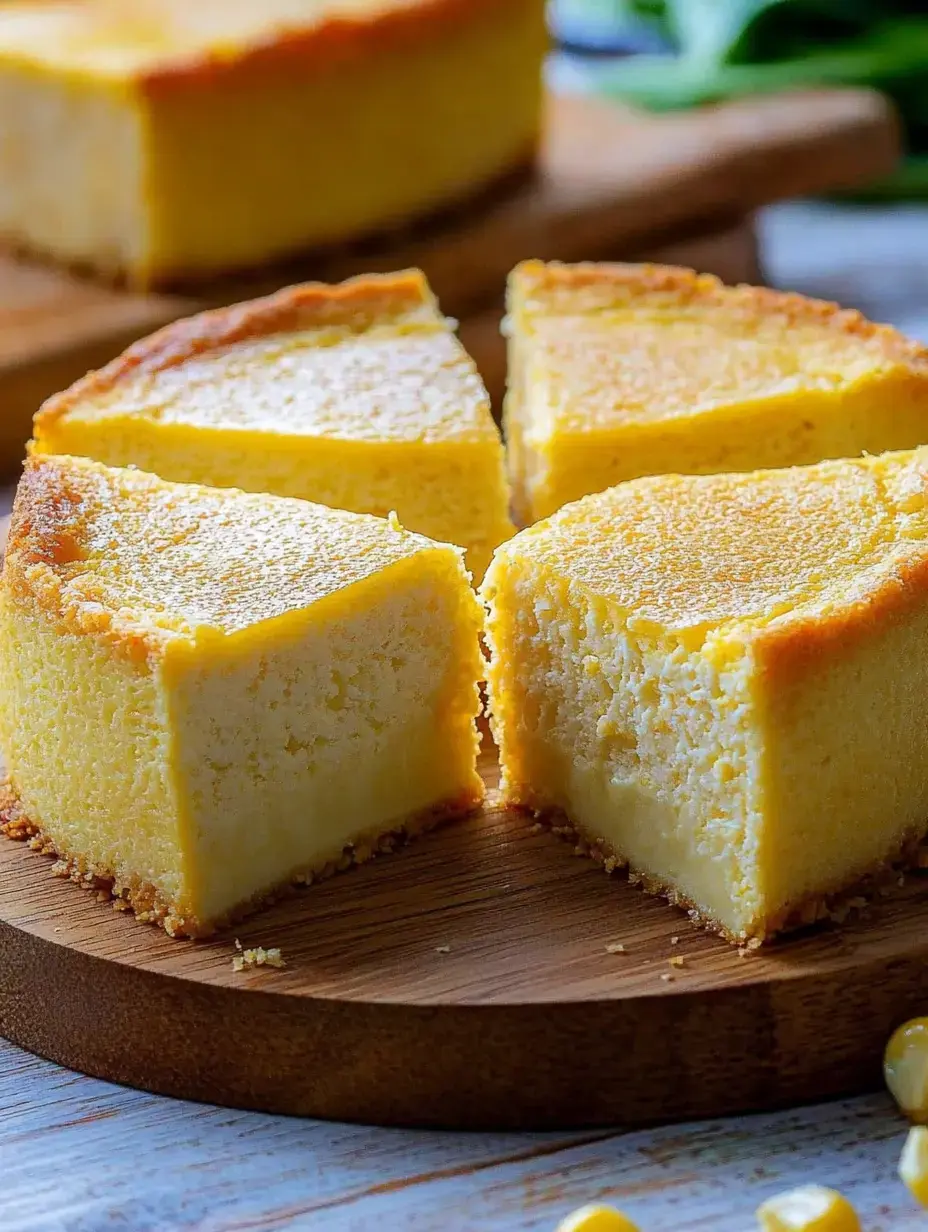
[611,183]
[462,982]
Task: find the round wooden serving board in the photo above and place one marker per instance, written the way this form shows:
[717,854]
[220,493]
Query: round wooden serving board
[464,982]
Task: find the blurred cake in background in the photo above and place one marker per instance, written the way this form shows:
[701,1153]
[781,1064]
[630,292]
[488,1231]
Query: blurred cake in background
[160,141]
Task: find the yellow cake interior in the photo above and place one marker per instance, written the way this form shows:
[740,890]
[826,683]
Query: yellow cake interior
[208,692]
[618,371]
[721,680]
[357,396]
[164,139]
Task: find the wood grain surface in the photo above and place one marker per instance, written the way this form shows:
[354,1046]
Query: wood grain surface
[87,1156]
[610,183]
[464,982]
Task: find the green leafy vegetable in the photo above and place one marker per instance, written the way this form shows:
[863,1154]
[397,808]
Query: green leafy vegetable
[727,48]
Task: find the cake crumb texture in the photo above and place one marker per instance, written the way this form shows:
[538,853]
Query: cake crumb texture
[717,681]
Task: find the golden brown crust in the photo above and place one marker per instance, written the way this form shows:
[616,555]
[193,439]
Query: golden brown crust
[357,303]
[150,906]
[835,905]
[45,510]
[337,39]
[786,651]
[575,288]
[43,538]
[45,535]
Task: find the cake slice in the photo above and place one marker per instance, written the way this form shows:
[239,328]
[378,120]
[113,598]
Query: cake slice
[206,694]
[164,140]
[721,681]
[618,371]
[357,396]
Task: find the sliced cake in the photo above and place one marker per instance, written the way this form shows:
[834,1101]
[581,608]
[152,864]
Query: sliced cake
[617,371]
[721,681]
[357,396]
[164,140]
[206,694]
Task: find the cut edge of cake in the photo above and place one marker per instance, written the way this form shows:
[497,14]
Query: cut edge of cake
[40,534]
[150,906]
[893,605]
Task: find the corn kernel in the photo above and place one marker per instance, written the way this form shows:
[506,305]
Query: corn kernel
[913,1165]
[905,1068]
[810,1208]
[596,1219]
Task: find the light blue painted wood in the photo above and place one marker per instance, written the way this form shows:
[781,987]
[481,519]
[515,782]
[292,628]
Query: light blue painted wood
[872,259]
[88,1156]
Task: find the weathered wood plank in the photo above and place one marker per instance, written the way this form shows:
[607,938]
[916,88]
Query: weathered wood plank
[85,1155]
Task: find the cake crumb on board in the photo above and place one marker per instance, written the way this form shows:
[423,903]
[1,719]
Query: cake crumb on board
[245,960]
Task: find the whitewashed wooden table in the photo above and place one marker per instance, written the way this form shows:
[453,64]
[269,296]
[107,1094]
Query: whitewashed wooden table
[84,1155]
[81,1154]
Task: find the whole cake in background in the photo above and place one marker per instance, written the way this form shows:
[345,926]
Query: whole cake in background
[164,140]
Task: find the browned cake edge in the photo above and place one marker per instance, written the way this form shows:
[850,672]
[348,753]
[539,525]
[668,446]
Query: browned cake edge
[151,906]
[338,37]
[834,906]
[359,302]
[543,279]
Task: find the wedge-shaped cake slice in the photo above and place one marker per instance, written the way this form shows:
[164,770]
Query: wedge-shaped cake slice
[618,371]
[721,680]
[357,396]
[205,694]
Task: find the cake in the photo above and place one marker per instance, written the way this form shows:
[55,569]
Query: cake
[720,681]
[207,694]
[619,371]
[164,140]
[357,396]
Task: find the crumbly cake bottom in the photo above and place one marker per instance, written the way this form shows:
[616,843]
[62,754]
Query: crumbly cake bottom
[151,906]
[835,906]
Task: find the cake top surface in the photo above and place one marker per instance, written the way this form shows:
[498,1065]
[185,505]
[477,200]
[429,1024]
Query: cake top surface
[611,346]
[371,359]
[684,553]
[105,549]
[126,39]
